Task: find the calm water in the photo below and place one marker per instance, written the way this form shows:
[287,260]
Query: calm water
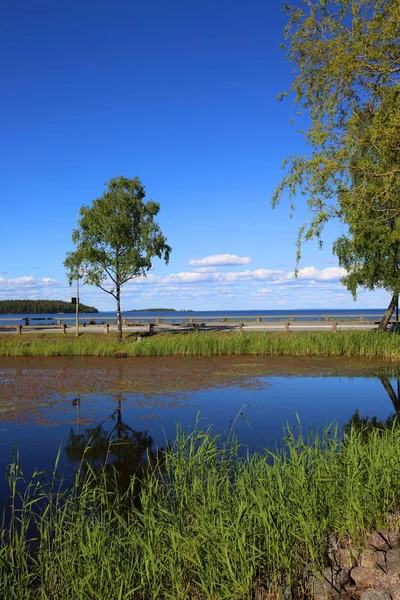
[181,316]
[45,404]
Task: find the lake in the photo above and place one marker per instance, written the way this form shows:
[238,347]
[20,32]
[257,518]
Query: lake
[48,403]
[182,316]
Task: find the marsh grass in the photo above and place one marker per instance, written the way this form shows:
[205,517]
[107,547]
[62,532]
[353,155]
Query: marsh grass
[371,344]
[210,524]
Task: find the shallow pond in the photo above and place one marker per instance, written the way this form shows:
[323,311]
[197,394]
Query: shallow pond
[45,403]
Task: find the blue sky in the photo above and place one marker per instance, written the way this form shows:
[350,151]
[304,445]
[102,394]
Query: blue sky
[181,94]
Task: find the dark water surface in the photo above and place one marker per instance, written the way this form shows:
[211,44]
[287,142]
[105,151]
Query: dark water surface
[53,401]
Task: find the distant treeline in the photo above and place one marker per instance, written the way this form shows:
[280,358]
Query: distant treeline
[26,307]
[156,310]
[151,310]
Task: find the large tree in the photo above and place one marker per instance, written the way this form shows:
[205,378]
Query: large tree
[346,56]
[116,239]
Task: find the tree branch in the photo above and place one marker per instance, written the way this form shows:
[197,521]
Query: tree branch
[105,290]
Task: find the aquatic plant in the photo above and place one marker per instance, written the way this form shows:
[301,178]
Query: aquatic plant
[210,524]
[372,344]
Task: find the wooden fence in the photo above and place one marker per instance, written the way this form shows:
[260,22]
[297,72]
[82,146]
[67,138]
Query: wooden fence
[285,321]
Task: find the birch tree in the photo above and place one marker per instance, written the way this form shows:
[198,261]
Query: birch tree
[116,239]
[346,59]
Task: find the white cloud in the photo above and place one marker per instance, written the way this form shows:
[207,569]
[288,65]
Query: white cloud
[25,282]
[328,274]
[220,260]
[34,288]
[207,270]
[188,277]
[203,288]
[262,292]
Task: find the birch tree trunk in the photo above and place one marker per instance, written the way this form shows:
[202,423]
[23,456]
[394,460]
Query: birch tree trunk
[119,320]
[389,311]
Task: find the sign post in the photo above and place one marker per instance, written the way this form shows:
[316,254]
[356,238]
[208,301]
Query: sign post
[76,302]
[77,307]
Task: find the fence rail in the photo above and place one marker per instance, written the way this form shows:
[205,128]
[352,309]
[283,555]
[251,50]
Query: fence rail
[277,322]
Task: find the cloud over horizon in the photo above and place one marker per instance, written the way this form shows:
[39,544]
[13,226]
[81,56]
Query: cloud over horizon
[204,288]
[220,260]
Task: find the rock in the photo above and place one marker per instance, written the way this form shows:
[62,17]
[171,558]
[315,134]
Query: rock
[389,561]
[362,576]
[375,577]
[367,558]
[376,595]
[384,539]
[393,561]
[380,559]
[395,592]
[343,558]
[329,583]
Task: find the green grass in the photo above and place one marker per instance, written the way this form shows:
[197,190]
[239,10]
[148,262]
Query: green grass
[342,343]
[210,525]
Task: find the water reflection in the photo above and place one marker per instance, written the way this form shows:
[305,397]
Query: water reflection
[395,398]
[119,452]
[136,406]
[366,424]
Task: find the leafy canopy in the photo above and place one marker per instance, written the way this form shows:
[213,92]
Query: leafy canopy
[347,77]
[370,252]
[117,237]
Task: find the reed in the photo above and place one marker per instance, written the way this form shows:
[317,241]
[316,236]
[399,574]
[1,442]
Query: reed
[210,524]
[371,344]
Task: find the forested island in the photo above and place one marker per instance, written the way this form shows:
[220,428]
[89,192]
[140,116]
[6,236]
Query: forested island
[151,310]
[156,310]
[26,307]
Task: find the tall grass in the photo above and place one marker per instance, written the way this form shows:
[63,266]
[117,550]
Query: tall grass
[209,524]
[342,343]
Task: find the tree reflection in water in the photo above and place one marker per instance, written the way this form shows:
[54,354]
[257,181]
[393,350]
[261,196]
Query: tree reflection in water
[121,454]
[367,424]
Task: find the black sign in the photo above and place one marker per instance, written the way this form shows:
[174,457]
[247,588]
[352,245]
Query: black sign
[73,300]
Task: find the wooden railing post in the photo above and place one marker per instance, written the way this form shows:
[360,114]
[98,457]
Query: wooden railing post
[63,328]
[240,327]
[151,328]
[106,328]
[287,327]
[334,327]
[18,329]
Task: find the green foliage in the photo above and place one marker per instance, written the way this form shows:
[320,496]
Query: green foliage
[370,253]
[346,55]
[209,523]
[117,239]
[371,344]
[26,307]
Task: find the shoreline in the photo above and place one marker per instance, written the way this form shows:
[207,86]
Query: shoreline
[369,344]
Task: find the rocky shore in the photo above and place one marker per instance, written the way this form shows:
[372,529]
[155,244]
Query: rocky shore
[369,572]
